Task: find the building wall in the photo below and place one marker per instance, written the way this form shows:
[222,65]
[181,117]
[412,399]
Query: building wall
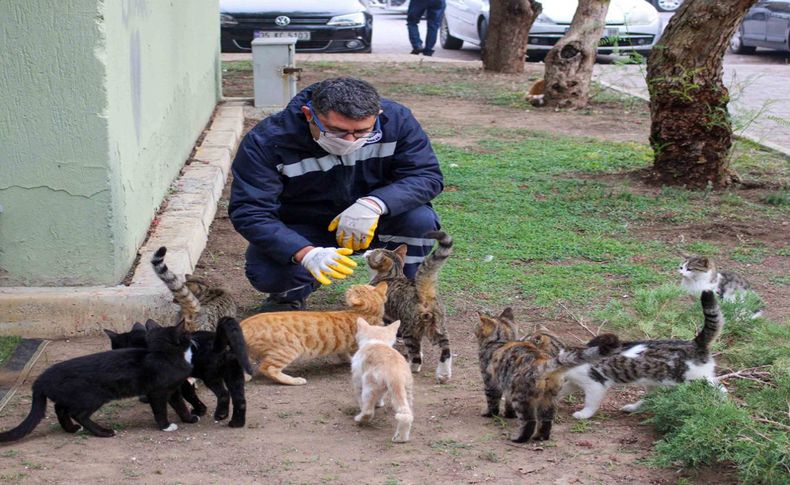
[101,102]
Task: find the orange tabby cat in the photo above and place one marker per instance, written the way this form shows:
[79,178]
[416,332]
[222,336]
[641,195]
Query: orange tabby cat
[277,339]
[378,371]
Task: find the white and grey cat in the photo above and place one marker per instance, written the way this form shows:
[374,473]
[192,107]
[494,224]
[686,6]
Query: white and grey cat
[651,363]
[700,274]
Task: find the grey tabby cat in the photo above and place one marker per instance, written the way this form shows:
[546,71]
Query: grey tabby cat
[202,305]
[415,303]
[651,363]
[700,274]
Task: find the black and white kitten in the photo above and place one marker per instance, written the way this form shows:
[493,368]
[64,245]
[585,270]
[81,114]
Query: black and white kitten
[219,359]
[80,386]
[651,363]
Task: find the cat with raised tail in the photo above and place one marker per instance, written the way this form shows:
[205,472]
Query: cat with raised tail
[416,303]
[380,373]
[700,274]
[80,386]
[526,375]
[278,338]
[651,363]
[202,305]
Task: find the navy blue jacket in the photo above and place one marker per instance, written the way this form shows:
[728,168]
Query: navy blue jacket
[282,177]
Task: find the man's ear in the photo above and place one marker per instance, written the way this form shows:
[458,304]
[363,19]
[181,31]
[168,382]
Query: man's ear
[307,113]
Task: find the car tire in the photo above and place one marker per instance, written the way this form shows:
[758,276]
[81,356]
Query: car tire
[666,5]
[482,32]
[446,40]
[536,56]
[737,47]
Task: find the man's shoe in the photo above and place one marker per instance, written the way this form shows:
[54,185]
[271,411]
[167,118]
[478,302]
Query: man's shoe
[276,305]
[428,53]
[416,51]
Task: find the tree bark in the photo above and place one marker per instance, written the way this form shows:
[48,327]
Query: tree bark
[569,63]
[505,48]
[690,131]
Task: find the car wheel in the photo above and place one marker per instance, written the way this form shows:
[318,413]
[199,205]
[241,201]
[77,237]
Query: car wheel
[448,41]
[737,47]
[536,56]
[667,5]
[482,31]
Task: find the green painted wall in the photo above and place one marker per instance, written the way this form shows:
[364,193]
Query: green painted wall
[100,104]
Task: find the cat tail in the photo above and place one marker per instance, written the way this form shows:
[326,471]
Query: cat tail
[35,416]
[229,333]
[714,321]
[599,347]
[428,272]
[190,306]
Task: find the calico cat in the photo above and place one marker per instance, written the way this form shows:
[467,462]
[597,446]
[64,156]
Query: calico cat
[651,363]
[201,304]
[700,274]
[379,371]
[80,386]
[219,359]
[415,303]
[535,96]
[526,374]
[276,339]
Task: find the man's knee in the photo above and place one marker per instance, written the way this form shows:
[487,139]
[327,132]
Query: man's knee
[415,222]
[269,276]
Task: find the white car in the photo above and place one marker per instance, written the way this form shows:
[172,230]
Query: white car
[397,6]
[631,26]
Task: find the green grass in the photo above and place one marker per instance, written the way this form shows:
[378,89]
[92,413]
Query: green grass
[7,346]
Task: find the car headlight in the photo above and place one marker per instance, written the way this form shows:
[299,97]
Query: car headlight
[226,20]
[641,17]
[544,19]
[348,20]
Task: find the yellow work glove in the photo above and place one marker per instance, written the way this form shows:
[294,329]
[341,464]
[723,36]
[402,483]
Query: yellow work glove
[355,226]
[324,263]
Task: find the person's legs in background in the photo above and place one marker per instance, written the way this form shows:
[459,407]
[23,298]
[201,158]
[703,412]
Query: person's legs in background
[413,16]
[434,17]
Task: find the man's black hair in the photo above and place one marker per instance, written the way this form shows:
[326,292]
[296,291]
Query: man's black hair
[348,96]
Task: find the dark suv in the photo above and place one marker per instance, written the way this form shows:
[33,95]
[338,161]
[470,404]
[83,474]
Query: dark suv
[318,25]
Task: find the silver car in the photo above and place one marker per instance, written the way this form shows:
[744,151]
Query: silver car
[631,26]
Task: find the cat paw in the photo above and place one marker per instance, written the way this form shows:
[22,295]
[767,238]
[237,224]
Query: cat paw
[444,371]
[191,419]
[488,414]
[583,414]
[220,416]
[171,428]
[299,381]
[510,414]
[200,411]
[363,418]
[631,408]
[247,377]
[400,439]
[236,423]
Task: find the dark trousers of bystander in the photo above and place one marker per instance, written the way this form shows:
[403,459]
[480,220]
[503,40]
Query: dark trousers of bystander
[433,10]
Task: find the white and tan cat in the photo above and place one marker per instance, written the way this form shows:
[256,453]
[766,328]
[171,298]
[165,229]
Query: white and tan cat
[379,372]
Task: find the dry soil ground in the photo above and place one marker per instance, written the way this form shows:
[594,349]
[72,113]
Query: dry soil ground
[307,435]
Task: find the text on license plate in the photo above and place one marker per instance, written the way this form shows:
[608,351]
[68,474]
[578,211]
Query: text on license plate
[613,32]
[267,34]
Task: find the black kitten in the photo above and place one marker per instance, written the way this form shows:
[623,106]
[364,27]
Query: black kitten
[80,386]
[219,359]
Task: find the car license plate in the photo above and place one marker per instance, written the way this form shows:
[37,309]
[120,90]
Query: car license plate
[268,34]
[611,32]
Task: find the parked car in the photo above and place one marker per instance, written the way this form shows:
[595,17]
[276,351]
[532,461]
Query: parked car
[398,6]
[766,24]
[631,26]
[319,26]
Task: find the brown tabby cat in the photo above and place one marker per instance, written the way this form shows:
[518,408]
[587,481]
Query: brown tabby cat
[528,376]
[202,306]
[279,338]
[415,303]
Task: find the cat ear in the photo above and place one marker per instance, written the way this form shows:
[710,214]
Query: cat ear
[393,328]
[381,288]
[352,299]
[181,326]
[362,324]
[137,326]
[401,252]
[110,333]
[507,314]
[151,324]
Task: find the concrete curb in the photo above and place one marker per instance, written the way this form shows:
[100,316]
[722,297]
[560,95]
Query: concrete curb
[632,92]
[183,227]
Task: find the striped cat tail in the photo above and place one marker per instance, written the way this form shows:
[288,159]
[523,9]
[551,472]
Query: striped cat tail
[229,333]
[428,272]
[714,321]
[190,306]
[599,347]
[37,411]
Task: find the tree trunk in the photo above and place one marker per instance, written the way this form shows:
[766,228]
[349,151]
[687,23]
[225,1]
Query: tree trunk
[505,48]
[690,129]
[569,63]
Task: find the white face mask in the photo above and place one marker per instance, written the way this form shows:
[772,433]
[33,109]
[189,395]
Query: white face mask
[339,146]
